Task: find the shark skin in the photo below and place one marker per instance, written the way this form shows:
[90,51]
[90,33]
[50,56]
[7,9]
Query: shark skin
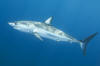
[46,30]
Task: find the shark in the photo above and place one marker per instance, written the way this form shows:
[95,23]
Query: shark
[47,30]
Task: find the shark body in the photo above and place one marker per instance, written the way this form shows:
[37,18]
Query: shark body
[46,30]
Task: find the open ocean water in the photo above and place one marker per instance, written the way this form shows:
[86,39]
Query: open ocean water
[78,18]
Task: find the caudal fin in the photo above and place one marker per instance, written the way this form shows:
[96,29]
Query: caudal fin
[85,42]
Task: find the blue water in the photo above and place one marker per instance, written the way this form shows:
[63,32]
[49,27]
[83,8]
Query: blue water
[79,18]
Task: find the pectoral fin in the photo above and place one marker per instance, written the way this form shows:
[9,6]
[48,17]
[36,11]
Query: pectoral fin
[38,36]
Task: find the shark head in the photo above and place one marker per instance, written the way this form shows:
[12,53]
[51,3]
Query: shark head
[11,24]
[21,25]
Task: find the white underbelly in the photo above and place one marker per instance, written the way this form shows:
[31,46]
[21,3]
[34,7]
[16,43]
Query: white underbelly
[50,35]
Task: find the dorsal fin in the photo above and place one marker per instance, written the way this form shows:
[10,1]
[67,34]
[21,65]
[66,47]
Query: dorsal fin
[48,21]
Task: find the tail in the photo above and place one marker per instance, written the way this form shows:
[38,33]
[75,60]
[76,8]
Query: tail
[83,43]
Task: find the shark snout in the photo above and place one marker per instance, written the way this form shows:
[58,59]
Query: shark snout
[11,24]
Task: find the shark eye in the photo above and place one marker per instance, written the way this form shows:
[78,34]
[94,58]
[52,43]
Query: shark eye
[15,23]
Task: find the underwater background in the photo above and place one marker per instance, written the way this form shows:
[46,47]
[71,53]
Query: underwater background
[78,18]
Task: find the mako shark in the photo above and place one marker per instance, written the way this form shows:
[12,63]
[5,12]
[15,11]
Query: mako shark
[46,30]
